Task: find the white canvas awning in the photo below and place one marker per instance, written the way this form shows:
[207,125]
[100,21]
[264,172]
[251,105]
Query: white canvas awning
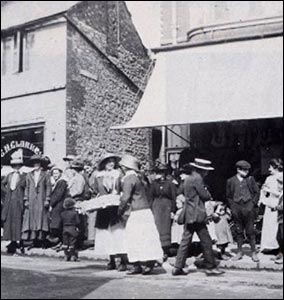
[225,82]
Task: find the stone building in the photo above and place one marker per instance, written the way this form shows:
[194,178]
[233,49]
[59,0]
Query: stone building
[70,70]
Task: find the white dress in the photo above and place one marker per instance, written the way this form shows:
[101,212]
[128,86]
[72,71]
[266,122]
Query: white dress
[270,224]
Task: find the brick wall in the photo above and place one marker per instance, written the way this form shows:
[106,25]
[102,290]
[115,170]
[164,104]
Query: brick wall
[104,81]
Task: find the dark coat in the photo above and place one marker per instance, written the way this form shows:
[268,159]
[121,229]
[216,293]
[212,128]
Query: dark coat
[196,194]
[36,217]
[253,189]
[70,222]
[163,199]
[12,214]
[58,194]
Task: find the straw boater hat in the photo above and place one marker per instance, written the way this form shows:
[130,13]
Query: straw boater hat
[202,164]
[56,168]
[77,165]
[107,157]
[130,162]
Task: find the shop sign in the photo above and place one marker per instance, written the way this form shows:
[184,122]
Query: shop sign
[13,145]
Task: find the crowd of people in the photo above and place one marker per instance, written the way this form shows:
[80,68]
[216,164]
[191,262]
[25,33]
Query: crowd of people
[155,210]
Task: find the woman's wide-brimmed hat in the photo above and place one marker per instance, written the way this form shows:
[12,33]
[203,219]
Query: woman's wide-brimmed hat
[130,162]
[161,169]
[107,157]
[56,168]
[36,158]
[69,158]
[77,165]
[16,161]
[202,164]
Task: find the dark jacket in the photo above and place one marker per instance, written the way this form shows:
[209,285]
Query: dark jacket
[58,194]
[70,217]
[245,191]
[196,194]
[134,195]
[280,210]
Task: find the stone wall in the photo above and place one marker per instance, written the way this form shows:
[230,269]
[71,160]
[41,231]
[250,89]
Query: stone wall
[105,81]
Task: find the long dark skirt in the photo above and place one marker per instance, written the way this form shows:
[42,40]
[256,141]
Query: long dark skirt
[162,214]
[13,219]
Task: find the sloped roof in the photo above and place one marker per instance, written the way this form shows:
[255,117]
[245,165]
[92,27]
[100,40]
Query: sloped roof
[30,11]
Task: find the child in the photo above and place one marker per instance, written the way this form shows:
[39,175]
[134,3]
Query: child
[70,222]
[177,230]
[221,218]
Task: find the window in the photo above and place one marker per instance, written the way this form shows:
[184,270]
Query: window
[29,141]
[16,52]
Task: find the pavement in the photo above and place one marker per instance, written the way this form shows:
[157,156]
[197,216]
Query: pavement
[265,264]
[88,279]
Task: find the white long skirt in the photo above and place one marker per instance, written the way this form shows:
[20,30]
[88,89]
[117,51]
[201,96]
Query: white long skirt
[269,230]
[110,241]
[142,238]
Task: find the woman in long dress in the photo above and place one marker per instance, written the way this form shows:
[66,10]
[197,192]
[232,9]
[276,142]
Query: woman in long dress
[109,231]
[270,197]
[142,240]
[12,214]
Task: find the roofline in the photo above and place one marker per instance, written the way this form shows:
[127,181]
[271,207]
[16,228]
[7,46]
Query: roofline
[253,36]
[34,22]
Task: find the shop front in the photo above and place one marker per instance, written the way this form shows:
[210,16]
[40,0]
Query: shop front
[223,102]
[21,142]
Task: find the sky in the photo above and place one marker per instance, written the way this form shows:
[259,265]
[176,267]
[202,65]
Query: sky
[146,18]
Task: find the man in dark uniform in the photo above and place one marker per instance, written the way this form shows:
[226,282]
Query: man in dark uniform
[242,196]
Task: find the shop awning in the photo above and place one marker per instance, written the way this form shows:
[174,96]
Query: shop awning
[225,82]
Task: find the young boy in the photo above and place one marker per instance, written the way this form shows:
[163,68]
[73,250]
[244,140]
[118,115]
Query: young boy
[70,222]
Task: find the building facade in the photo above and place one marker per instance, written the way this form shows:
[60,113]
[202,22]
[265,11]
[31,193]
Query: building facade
[69,70]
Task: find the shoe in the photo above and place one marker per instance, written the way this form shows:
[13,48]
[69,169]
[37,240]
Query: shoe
[214,272]
[111,266]
[277,257]
[75,259]
[135,271]
[255,258]
[279,261]
[147,271]
[122,268]
[239,256]
[178,272]
[225,257]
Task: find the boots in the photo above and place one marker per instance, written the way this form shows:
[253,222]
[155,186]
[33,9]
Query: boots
[111,265]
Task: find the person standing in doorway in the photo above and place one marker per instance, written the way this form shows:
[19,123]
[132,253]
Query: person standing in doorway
[195,219]
[242,196]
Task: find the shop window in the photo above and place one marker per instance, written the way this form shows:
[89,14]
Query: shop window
[29,141]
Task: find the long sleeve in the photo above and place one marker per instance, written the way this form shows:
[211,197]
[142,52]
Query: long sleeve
[229,193]
[77,186]
[48,187]
[127,192]
[173,196]
[202,191]
[255,190]
[27,189]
